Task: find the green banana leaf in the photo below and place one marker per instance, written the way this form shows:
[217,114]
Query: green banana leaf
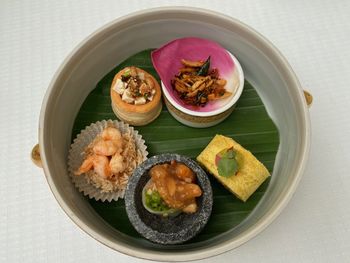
[249,125]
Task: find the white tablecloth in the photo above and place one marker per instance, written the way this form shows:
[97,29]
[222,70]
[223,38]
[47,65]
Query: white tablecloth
[35,36]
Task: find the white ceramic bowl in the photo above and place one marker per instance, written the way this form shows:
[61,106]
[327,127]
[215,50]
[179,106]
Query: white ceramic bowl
[204,119]
[263,66]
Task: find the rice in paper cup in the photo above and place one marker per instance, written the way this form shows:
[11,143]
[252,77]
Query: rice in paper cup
[92,185]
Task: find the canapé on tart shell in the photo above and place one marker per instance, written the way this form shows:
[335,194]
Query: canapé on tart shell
[132,108]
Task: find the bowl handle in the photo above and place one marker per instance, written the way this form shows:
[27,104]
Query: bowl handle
[308,98]
[35,156]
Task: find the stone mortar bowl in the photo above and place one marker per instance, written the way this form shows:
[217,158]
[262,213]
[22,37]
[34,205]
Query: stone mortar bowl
[169,230]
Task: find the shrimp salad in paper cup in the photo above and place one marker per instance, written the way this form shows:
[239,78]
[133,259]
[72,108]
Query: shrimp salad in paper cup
[103,157]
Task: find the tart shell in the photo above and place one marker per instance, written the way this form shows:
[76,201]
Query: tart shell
[137,115]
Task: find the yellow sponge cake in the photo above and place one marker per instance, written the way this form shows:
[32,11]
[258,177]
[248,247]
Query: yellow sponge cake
[251,173]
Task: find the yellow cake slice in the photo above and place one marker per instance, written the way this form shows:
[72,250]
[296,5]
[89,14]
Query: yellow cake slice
[251,172]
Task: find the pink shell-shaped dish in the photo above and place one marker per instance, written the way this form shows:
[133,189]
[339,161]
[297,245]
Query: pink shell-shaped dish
[167,62]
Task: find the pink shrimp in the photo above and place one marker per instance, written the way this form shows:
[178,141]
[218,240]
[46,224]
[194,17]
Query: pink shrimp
[99,163]
[111,133]
[117,164]
[107,148]
[114,135]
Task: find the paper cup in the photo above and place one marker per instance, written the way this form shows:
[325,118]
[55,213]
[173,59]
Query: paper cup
[91,184]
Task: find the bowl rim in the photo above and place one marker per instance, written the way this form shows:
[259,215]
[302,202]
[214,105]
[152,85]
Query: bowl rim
[250,233]
[222,109]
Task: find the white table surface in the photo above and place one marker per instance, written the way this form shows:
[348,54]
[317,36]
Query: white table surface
[35,36]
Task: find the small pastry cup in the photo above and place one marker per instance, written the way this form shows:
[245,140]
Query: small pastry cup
[77,155]
[137,115]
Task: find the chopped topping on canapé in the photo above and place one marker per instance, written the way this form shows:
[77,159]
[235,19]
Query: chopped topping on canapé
[135,87]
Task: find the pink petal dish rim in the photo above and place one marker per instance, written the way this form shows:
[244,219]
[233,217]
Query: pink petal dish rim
[231,75]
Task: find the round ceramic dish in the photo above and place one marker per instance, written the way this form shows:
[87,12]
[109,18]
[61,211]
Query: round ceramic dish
[263,66]
[198,119]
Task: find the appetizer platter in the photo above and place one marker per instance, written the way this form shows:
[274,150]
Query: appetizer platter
[174,134]
[204,81]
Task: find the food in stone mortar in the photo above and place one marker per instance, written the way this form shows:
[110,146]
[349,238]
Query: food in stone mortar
[172,189]
[168,229]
